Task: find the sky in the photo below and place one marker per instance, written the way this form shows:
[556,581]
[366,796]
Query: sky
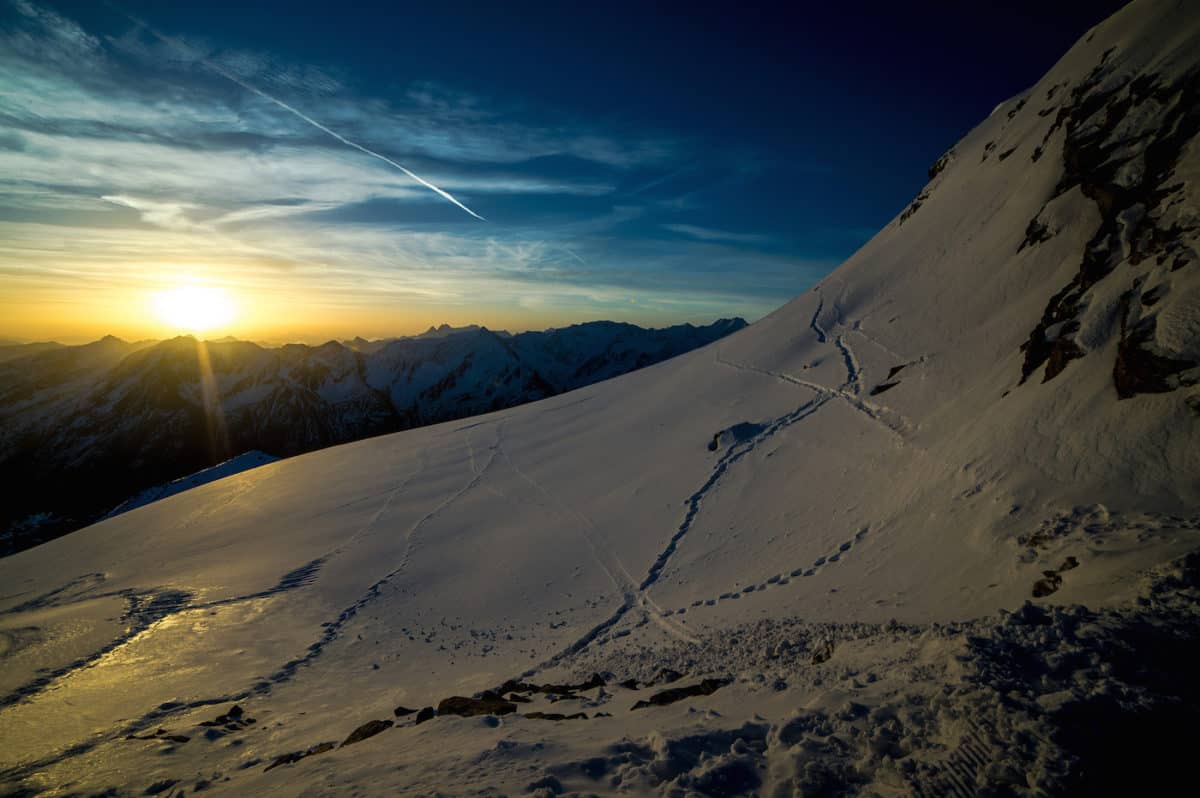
[340,169]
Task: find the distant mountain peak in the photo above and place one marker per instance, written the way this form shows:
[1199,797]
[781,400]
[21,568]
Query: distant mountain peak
[445,329]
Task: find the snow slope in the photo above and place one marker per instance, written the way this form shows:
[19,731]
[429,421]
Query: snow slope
[234,465]
[992,402]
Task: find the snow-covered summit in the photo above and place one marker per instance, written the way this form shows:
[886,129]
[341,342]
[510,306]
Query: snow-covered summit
[815,520]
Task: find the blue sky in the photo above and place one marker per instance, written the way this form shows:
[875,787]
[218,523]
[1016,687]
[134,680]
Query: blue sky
[641,162]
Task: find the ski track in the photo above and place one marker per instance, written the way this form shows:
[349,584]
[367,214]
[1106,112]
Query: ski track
[422,462]
[780,579]
[333,628]
[886,417]
[815,322]
[848,393]
[853,369]
[858,330]
[608,560]
[734,454]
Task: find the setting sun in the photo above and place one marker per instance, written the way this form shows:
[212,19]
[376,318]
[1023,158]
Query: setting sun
[194,308]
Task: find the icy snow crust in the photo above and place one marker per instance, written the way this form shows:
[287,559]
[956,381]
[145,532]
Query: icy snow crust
[877,560]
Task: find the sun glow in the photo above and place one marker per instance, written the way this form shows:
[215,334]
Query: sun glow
[194,308]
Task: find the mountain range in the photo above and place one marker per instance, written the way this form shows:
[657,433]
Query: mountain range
[82,428]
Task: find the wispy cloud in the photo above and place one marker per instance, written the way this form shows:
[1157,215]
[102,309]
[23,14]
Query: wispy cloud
[171,215]
[127,155]
[225,73]
[713,234]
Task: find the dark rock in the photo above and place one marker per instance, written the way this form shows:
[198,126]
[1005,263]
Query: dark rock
[883,387]
[487,704]
[233,720]
[428,713]
[160,734]
[940,164]
[288,759]
[662,699]
[1151,298]
[368,729]
[401,712]
[1035,233]
[517,698]
[596,680]
[666,676]
[555,716]
[914,206]
[1050,583]
[513,686]
[1094,159]
[629,684]
[1062,352]
[1139,370]
[1068,564]
[160,786]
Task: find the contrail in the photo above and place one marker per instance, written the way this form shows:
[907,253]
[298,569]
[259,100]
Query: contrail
[178,45]
[571,252]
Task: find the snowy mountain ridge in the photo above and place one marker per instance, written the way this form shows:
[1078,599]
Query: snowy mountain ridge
[85,427]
